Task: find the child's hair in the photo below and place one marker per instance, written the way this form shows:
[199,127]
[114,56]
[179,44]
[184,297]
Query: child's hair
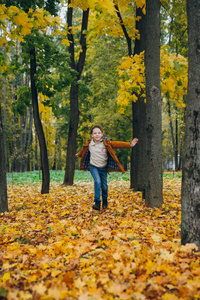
[96,126]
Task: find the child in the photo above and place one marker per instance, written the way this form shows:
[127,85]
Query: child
[99,157]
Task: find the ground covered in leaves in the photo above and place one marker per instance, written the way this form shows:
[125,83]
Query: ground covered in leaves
[56,247]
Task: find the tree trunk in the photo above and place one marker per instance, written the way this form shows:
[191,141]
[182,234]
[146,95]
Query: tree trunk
[190,223]
[54,166]
[36,153]
[5,123]
[22,145]
[154,179]
[3,181]
[13,142]
[59,166]
[29,139]
[172,133]
[139,117]
[39,128]
[74,110]
[25,146]
[176,144]
[72,135]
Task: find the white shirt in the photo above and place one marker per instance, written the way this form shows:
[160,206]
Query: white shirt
[98,154]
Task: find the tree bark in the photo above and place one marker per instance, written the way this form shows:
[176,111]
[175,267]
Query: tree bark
[38,125]
[59,162]
[36,153]
[3,181]
[154,179]
[74,109]
[21,149]
[174,144]
[72,136]
[29,139]
[5,123]
[190,223]
[139,118]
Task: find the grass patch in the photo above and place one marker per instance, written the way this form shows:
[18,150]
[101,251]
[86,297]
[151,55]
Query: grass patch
[171,175]
[34,177]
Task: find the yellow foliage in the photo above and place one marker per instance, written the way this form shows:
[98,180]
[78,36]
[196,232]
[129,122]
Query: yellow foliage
[3,41]
[132,80]
[173,73]
[65,42]
[81,4]
[141,4]
[22,23]
[108,22]
[12,10]
[21,19]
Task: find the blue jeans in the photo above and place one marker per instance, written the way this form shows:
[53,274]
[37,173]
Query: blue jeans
[100,182]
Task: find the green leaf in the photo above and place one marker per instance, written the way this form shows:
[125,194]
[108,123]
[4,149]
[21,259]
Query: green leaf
[3,292]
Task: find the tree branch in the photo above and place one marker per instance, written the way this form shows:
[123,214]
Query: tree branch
[128,39]
[83,43]
[70,34]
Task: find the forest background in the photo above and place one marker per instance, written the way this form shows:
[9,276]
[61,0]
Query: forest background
[107,87]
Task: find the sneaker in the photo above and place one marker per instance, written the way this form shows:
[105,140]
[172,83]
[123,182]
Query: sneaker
[97,205]
[105,203]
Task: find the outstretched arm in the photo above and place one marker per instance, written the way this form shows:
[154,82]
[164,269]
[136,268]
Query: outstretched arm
[118,144]
[134,142]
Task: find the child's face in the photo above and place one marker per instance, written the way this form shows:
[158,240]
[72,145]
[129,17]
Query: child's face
[97,134]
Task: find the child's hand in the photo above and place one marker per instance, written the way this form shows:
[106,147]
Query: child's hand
[76,154]
[134,142]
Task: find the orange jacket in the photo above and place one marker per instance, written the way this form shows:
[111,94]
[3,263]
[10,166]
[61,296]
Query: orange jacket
[113,164]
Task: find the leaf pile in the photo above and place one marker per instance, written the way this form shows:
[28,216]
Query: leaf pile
[56,247]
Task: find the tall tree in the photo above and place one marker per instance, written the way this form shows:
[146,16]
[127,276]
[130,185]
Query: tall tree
[26,6]
[38,126]
[154,180]
[138,107]
[74,107]
[139,116]
[3,184]
[190,224]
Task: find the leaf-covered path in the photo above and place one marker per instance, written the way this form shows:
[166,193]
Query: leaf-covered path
[56,247]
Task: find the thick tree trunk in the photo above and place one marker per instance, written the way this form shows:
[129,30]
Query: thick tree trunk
[72,135]
[3,182]
[190,224]
[138,173]
[39,128]
[154,180]
[139,118]
[74,110]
